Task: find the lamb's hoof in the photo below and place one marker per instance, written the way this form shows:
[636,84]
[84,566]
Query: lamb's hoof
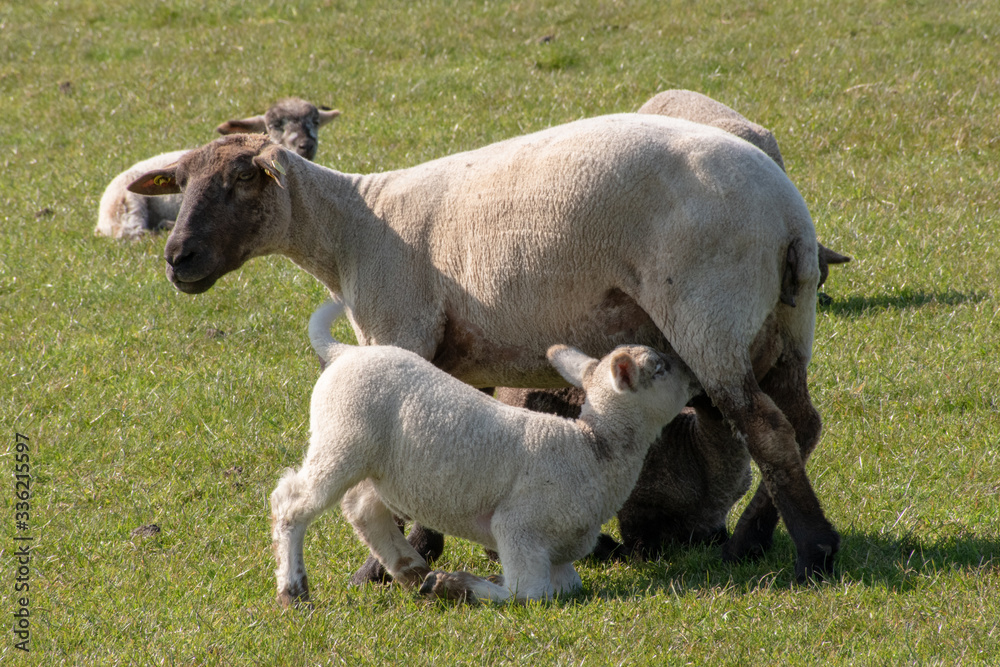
[295,597]
[413,576]
[445,586]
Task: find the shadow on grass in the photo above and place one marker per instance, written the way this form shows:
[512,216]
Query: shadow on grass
[896,563]
[904,299]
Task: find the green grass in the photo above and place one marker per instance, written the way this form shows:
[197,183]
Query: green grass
[144,405]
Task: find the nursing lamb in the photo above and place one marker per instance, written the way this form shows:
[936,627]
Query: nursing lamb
[629,228]
[392,434]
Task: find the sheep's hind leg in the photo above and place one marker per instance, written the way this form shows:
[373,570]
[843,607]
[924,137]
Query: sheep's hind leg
[374,524]
[787,387]
[771,440]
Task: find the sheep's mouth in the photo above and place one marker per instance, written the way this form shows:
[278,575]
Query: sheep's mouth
[190,286]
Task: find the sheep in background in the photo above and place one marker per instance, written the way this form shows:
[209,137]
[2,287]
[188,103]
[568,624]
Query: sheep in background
[393,434]
[628,228]
[699,108]
[291,122]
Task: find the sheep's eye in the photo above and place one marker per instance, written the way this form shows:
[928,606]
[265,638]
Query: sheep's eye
[661,369]
[246,175]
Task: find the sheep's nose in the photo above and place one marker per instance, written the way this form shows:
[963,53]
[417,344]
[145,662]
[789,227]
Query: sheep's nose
[177,256]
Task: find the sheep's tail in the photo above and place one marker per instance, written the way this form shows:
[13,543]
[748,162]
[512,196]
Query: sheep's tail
[326,346]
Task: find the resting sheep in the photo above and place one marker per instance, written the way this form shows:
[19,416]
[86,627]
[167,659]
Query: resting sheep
[392,434]
[629,228]
[699,108]
[291,122]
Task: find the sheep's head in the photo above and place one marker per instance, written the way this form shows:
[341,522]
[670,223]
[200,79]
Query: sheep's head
[235,207]
[633,375]
[291,122]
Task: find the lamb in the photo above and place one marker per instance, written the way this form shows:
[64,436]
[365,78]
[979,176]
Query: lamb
[291,122]
[393,434]
[699,108]
[630,228]
[694,473]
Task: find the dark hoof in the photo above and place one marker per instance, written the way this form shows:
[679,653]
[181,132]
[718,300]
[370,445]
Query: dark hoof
[608,549]
[816,563]
[734,551]
[371,572]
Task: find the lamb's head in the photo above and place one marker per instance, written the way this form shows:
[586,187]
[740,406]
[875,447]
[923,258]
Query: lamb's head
[632,379]
[235,207]
[291,122]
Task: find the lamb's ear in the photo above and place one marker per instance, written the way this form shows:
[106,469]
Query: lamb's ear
[624,372]
[249,125]
[157,182]
[575,366]
[270,161]
[326,115]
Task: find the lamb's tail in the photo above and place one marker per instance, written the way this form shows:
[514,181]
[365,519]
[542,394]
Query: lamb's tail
[326,346]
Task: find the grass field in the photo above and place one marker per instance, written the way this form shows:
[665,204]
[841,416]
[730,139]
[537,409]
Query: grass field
[143,406]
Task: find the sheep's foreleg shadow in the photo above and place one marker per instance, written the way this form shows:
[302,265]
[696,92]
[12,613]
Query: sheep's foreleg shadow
[771,413]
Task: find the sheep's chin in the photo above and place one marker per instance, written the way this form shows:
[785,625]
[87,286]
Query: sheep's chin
[193,287]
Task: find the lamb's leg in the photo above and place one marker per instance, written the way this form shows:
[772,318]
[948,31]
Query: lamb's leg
[771,440]
[428,543]
[463,587]
[295,502]
[374,524]
[787,387]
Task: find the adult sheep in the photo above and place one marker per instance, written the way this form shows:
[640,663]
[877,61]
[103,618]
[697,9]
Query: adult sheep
[480,260]
[693,475]
[699,108]
[291,122]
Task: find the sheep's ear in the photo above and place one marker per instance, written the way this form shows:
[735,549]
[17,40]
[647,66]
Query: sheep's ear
[249,125]
[157,182]
[326,115]
[575,366]
[624,372]
[270,162]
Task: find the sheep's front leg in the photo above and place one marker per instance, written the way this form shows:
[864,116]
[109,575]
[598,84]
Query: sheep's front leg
[374,524]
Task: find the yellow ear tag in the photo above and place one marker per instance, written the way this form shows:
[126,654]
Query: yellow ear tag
[161,180]
[277,167]
[271,174]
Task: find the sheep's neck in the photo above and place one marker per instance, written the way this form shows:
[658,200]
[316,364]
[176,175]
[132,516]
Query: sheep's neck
[330,214]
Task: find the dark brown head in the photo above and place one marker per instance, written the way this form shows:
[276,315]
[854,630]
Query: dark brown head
[235,207]
[291,122]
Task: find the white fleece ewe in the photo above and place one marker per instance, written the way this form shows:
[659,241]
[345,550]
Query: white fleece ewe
[392,434]
[291,122]
[630,228]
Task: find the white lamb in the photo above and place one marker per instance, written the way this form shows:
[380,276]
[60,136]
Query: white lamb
[291,122]
[392,434]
